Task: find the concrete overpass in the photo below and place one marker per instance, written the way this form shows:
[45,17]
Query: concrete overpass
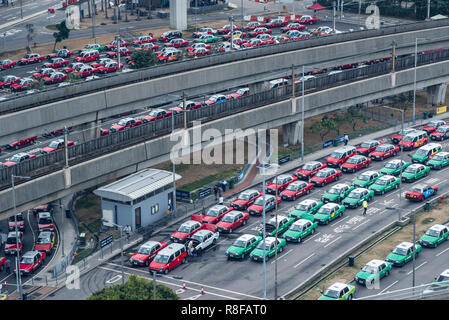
[213,78]
[114,165]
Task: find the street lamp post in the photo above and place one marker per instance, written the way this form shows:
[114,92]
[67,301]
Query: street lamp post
[121,245]
[263,233]
[173,162]
[18,276]
[414,77]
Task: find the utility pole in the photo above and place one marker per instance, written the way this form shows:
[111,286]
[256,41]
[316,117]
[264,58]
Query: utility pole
[231,20]
[293,81]
[333,5]
[341,10]
[263,235]
[428,10]
[184,108]
[66,151]
[302,115]
[93,21]
[393,56]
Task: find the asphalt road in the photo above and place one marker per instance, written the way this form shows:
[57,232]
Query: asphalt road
[30,235]
[223,279]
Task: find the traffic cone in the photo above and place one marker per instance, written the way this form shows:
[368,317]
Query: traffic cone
[202,290]
[184,286]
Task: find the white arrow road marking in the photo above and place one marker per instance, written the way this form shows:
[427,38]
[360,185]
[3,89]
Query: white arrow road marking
[114,279]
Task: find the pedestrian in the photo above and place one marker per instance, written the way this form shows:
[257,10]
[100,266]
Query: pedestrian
[215,192]
[220,191]
[190,248]
[8,266]
[12,3]
[365,206]
[221,200]
[346,139]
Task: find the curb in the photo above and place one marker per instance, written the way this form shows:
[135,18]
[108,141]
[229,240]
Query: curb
[13,23]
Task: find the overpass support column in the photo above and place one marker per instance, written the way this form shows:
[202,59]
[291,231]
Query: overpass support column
[436,95]
[178,14]
[291,133]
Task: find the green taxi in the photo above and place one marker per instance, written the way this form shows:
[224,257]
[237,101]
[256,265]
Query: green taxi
[403,253]
[338,291]
[306,209]
[394,167]
[439,161]
[337,193]
[435,235]
[373,271]
[414,172]
[365,179]
[242,246]
[384,184]
[207,38]
[299,230]
[357,196]
[94,46]
[283,223]
[270,248]
[329,212]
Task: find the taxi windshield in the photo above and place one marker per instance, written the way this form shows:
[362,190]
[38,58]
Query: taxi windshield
[438,157]
[324,210]
[302,207]
[334,191]
[364,177]
[336,155]
[411,170]
[369,269]
[144,250]
[227,218]
[308,166]
[44,240]
[15,158]
[45,220]
[241,91]
[432,124]
[381,149]
[26,260]
[53,144]
[244,196]
[400,251]
[212,213]
[197,237]
[239,243]
[11,240]
[184,229]
[432,233]
[259,201]
[296,227]
[392,165]
[353,160]
[409,138]
[161,258]
[442,129]
[322,173]
[17,217]
[294,187]
[417,189]
[382,182]
[331,293]
[355,195]
[260,245]
[365,145]
[122,123]
[422,152]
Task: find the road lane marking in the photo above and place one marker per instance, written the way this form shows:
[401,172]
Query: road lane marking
[311,237]
[389,286]
[332,242]
[186,281]
[281,256]
[304,260]
[341,220]
[178,285]
[416,268]
[361,224]
[442,252]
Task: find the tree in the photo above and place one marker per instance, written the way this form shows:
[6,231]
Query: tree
[143,58]
[62,34]
[30,35]
[352,115]
[324,126]
[135,288]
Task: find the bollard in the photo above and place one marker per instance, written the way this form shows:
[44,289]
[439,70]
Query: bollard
[427,206]
[351,261]
[441,198]
[46,281]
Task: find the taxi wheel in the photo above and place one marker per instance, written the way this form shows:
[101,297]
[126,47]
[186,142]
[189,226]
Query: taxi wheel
[336,178]
[230,230]
[382,158]
[383,192]
[396,186]
[244,222]
[184,260]
[147,263]
[436,245]
[350,297]
[425,174]
[387,273]
[308,191]
[322,184]
[327,221]
[281,249]
[395,153]
[313,231]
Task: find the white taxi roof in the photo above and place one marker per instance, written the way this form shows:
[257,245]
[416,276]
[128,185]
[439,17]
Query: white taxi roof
[445,273]
[202,232]
[338,286]
[405,245]
[375,263]
[431,146]
[301,222]
[330,205]
[368,173]
[171,249]
[359,190]
[437,227]
[191,223]
[149,244]
[217,207]
[416,165]
[308,202]
[340,186]
[395,161]
[269,240]
[246,237]
[280,218]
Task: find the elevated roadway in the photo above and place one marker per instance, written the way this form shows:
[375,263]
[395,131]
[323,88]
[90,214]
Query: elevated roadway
[94,170]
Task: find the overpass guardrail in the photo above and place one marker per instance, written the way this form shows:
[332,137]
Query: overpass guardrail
[80,152]
[21,102]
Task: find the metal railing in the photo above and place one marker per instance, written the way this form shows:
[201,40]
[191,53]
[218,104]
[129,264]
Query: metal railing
[80,152]
[424,291]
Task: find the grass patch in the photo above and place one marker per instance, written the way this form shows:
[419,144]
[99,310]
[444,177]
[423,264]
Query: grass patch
[209,179]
